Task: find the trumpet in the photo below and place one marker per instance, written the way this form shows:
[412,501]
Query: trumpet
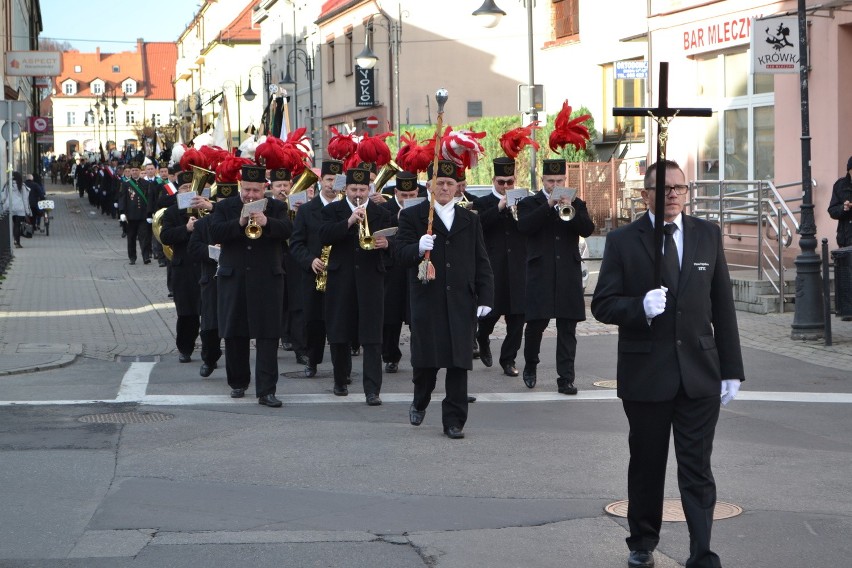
[253,230]
[365,239]
[566,212]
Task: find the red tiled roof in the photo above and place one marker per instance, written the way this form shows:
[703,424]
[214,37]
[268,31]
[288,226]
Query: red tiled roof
[100,66]
[240,29]
[160,62]
[330,6]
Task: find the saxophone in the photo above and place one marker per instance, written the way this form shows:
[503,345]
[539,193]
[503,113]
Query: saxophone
[322,277]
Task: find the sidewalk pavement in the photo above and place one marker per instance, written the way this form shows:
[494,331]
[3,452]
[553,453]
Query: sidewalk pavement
[73,294]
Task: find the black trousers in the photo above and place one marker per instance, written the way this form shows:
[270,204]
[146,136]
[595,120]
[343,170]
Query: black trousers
[238,366]
[341,358]
[315,341]
[295,330]
[157,249]
[141,230]
[16,227]
[566,345]
[693,422]
[514,334]
[211,346]
[454,405]
[186,332]
[390,342]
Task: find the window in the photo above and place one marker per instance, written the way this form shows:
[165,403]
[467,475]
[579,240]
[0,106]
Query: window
[97,88]
[330,60]
[71,117]
[350,56]
[129,87]
[110,117]
[69,88]
[738,142]
[566,18]
[622,93]
[116,69]
[78,69]
[130,117]
[156,120]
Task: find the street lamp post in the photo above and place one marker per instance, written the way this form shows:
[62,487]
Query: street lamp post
[250,95]
[491,14]
[297,54]
[367,59]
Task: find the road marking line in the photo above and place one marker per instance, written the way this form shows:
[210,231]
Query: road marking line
[135,383]
[89,311]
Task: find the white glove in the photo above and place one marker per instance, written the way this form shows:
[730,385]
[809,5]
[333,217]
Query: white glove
[427,242]
[122,218]
[150,220]
[655,302]
[482,311]
[115,205]
[730,388]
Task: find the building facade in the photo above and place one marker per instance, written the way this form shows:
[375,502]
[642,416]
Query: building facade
[118,103]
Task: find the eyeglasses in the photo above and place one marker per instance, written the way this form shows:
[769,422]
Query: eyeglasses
[504,182]
[678,189]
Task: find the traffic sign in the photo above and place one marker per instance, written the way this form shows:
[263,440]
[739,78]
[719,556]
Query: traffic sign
[10,131]
[372,122]
[38,124]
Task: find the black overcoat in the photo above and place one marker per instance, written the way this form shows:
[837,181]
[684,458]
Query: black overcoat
[250,276]
[444,310]
[305,246]
[354,297]
[695,342]
[396,278]
[197,249]
[136,205]
[507,251]
[553,263]
[842,191]
[186,269]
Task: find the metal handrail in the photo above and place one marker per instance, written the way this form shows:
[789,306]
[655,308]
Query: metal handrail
[760,203]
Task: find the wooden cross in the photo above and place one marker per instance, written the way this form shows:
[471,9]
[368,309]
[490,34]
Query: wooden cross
[662,114]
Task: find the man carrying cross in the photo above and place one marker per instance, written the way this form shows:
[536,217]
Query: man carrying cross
[678,350]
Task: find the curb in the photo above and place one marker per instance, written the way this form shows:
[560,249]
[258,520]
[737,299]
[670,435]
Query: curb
[63,361]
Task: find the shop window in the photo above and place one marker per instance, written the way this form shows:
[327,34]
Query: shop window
[622,93]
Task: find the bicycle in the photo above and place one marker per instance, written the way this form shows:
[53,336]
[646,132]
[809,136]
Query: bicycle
[46,205]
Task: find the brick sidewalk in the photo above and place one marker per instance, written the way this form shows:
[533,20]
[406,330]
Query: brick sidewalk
[79,279]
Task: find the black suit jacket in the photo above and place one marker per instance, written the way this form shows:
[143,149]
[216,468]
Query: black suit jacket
[197,250]
[444,310]
[695,342]
[305,246]
[186,269]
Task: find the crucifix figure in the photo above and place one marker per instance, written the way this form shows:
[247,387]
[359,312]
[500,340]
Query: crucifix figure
[662,114]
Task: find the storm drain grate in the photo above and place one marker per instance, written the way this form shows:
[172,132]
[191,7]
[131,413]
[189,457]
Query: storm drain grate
[673,511]
[125,418]
[606,384]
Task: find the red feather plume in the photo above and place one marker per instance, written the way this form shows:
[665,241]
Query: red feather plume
[462,147]
[228,170]
[192,157]
[213,155]
[341,146]
[517,139]
[352,161]
[374,149]
[567,131]
[413,157]
[275,153]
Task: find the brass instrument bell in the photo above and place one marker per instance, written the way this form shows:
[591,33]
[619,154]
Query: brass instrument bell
[365,239]
[200,178]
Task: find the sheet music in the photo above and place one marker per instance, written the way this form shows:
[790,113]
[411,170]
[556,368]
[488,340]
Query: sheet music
[185,199]
[297,199]
[339,182]
[213,252]
[258,206]
[412,201]
[558,192]
[389,232]
[514,196]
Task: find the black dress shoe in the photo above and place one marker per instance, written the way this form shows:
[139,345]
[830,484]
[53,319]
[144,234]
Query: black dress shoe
[269,400]
[640,559]
[341,390]
[529,377]
[485,353]
[356,351]
[301,359]
[510,370]
[373,400]
[347,381]
[416,416]
[391,367]
[566,386]
[161,263]
[185,358]
[476,351]
[238,393]
[123,235]
[132,262]
[454,433]
[310,371]
[206,370]
[471,398]
[147,261]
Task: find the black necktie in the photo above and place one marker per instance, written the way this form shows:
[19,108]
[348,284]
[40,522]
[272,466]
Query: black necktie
[670,260]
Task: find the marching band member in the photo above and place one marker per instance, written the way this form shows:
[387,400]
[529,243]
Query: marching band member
[135,207]
[251,284]
[354,298]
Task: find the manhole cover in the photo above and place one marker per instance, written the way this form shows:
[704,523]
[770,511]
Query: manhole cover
[606,384]
[125,417]
[673,511]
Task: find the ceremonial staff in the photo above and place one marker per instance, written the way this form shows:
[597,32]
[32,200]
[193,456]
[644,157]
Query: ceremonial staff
[426,270]
[662,115]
